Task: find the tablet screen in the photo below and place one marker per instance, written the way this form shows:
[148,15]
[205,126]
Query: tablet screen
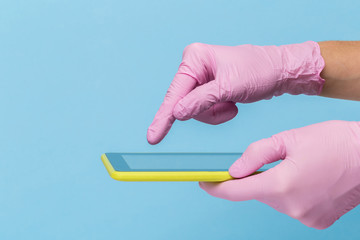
[172,161]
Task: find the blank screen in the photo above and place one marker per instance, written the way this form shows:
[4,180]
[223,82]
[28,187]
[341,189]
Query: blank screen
[172,161]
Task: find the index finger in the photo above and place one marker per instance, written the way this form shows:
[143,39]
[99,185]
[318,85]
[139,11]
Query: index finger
[163,120]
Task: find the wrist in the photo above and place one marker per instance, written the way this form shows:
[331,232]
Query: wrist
[342,72]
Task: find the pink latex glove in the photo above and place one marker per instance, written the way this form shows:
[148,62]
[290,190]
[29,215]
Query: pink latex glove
[211,79]
[317,182]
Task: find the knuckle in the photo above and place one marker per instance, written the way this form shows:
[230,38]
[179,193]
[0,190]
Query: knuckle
[282,188]
[297,213]
[254,147]
[195,62]
[193,47]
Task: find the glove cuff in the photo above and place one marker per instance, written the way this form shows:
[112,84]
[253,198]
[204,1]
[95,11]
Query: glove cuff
[301,67]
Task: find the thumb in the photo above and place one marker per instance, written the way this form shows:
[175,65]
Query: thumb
[197,101]
[258,154]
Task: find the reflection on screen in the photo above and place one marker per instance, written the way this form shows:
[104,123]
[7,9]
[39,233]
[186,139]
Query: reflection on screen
[175,161]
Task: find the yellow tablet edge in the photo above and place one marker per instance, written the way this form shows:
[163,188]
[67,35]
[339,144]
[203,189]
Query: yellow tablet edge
[165,176]
[107,164]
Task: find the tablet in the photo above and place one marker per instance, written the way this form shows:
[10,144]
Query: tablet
[211,167]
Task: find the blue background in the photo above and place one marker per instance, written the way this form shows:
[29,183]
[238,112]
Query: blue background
[79,78]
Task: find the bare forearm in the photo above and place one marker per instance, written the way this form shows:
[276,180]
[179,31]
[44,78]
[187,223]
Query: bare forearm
[342,69]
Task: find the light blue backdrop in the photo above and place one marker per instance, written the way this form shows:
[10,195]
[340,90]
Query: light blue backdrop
[79,78]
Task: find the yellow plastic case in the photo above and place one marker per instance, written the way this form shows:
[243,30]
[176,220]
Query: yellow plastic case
[138,176]
[211,176]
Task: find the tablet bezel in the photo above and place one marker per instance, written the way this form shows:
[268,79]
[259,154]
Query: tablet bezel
[120,164]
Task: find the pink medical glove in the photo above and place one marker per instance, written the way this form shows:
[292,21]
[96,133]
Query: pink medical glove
[211,79]
[317,182]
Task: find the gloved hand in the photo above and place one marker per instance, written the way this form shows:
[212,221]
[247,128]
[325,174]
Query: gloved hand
[317,182]
[211,79]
